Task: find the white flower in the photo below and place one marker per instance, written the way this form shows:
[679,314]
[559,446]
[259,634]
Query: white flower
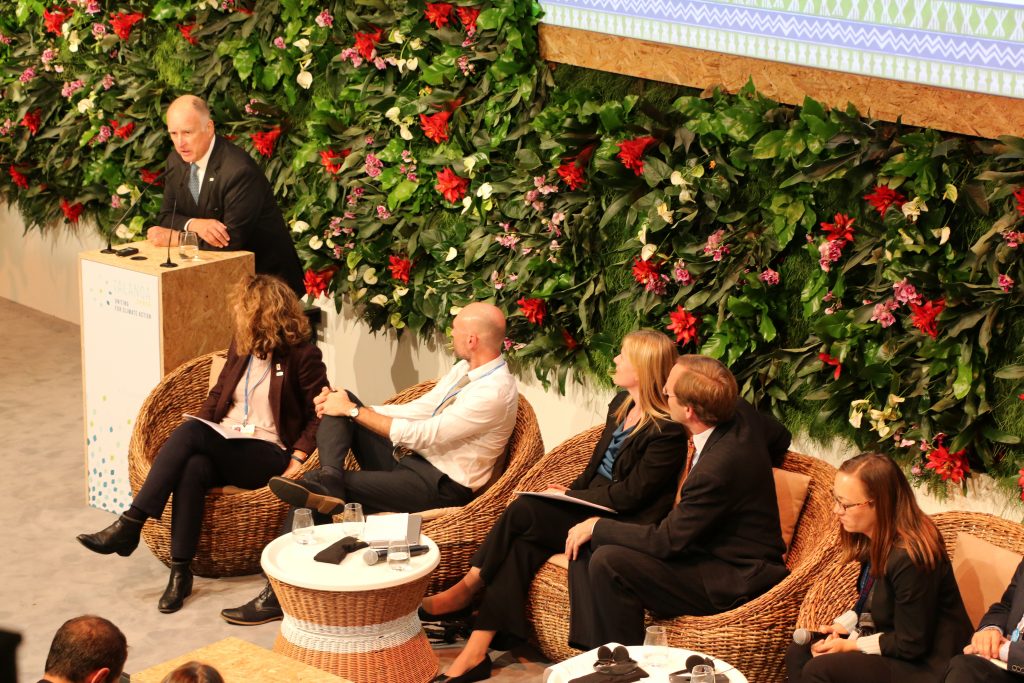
[73,40]
[641,234]
[951,193]
[676,178]
[942,234]
[454,310]
[857,409]
[469,162]
[412,63]
[123,189]
[86,105]
[393,114]
[467,204]
[302,44]
[416,43]
[484,191]
[648,251]
[405,133]
[315,242]
[380,300]
[300,226]
[452,253]
[684,195]
[370,276]
[304,79]
[664,212]
[396,36]
[400,63]
[123,231]
[329,243]
[913,208]
[400,292]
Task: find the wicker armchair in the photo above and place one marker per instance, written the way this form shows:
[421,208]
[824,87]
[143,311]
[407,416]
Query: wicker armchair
[754,636]
[835,588]
[238,523]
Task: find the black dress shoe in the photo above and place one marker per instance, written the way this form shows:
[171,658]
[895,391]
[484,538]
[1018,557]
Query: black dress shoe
[480,672]
[262,609]
[179,587]
[121,537]
[306,494]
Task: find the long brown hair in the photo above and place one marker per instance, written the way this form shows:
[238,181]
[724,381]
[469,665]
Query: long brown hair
[900,522]
[652,355]
[267,316]
[194,672]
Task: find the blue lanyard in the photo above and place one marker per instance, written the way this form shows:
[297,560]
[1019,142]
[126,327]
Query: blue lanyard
[246,393]
[456,392]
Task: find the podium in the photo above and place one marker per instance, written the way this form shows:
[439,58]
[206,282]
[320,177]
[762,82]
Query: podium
[139,322]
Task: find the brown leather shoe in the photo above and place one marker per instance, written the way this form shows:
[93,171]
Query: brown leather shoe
[301,493]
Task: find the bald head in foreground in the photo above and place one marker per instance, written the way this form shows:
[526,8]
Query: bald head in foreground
[454,437]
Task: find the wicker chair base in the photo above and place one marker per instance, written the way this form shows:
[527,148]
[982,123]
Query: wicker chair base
[412,661]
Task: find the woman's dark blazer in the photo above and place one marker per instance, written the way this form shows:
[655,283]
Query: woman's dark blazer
[645,473]
[921,617]
[297,374]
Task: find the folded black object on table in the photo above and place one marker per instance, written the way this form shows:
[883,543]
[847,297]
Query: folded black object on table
[613,666]
[338,551]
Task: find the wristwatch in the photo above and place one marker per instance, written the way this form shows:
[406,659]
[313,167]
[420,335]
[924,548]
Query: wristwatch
[354,413]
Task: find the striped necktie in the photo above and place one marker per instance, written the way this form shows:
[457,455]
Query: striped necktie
[193,182]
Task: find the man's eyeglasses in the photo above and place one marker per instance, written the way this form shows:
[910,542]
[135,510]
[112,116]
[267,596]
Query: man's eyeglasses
[846,506]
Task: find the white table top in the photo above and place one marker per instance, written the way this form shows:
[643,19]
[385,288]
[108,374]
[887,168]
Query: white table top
[583,664]
[292,563]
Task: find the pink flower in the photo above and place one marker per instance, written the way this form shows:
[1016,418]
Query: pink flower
[99,30]
[49,54]
[27,75]
[714,247]
[508,241]
[905,293]
[769,277]
[830,252]
[71,88]
[382,212]
[681,275]
[279,43]
[115,201]
[373,166]
[883,313]
[1013,238]
[324,19]
[107,82]
[1005,283]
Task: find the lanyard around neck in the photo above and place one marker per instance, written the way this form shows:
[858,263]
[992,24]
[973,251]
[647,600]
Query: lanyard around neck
[457,389]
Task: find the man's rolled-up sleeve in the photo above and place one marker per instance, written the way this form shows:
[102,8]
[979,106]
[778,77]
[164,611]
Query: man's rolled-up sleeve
[473,413]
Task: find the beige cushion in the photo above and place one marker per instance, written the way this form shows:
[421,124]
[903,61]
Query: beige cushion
[216,365]
[560,560]
[791,491]
[982,571]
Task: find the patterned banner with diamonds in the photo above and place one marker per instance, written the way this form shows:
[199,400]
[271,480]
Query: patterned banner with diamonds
[975,46]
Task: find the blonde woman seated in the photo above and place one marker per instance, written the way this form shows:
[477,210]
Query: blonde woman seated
[266,391]
[634,470]
[910,616]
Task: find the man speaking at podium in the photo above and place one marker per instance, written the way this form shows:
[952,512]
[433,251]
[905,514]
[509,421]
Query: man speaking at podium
[216,190]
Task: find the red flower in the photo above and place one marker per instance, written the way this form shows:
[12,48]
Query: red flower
[533,309]
[328,157]
[53,19]
[19,178]
[451,185]
[438,13]
[71,211]
[841,230]
[468,16]
[149,177]
[1019,196]
[317,283]
[572,175]
[631,153]
[123,22]
[366,43]
[1020,482]
[831,360]
[950,466]
[647,273]
[684,324]
[570,341]
[400,268]
[924,316]
[186,32]
[435,126]
[883,197]
[33,120]
[124,131]
[264,142]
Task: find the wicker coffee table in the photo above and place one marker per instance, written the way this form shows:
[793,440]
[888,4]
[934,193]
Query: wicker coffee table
[674,659]
[354,620]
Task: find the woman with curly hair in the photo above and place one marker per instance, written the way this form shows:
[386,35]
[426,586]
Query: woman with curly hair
[265,392]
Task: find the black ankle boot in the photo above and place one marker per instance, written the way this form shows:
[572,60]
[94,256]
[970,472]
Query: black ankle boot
[121,537]
[179,587]
[262,609]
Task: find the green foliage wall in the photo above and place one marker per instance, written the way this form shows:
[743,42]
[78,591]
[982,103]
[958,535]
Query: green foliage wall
[860,277]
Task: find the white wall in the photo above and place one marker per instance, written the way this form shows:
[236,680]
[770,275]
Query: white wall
[42,272]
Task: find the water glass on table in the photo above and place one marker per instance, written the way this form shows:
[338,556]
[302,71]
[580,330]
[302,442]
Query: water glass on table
[353,521]
[398,555]
[655,639]
[702,673]
[302,526]
[188,246]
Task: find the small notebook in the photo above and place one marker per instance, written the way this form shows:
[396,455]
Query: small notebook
[383,529]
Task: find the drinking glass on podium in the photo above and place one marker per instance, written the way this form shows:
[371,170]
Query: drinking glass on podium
[655,642]
[353,520]
[188,246]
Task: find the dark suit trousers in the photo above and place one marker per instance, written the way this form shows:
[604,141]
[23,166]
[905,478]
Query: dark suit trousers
[193,460]
[610,587]
[974,669]
[527,533]
[845,667]
[383,484]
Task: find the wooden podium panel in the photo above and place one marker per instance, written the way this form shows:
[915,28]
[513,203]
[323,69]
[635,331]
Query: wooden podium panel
[139,322]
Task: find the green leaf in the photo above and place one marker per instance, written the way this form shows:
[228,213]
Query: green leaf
[401,193]
[962,384]
[1010,372]
[770,144]
[244,60]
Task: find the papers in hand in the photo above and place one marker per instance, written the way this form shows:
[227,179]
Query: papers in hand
[558,495]
[226,432]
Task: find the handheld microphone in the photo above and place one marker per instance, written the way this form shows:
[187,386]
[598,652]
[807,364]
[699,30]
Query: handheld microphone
[109,249]
[847,620]
[169,263]
[375,555]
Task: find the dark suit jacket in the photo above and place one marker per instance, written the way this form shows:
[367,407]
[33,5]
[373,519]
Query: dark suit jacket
[728,518]
[1006,615]
[297,375]
[920,615]
[645,472]
[235,192]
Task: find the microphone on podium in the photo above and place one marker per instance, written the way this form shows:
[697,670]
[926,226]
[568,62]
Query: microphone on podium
[111,250]
[169,263]
[848,620]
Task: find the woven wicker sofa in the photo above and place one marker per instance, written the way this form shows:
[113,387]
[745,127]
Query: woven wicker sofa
[238,523]
[835,588]
[754,636]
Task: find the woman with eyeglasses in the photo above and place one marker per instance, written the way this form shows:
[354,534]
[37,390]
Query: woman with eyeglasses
[910,617]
